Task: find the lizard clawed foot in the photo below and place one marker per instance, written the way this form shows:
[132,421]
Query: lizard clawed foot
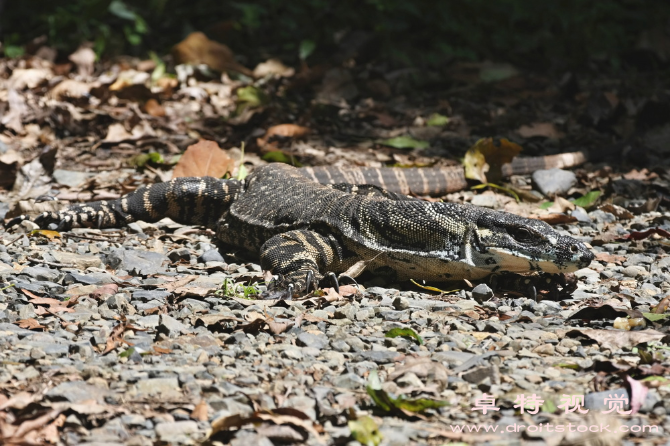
[280,288]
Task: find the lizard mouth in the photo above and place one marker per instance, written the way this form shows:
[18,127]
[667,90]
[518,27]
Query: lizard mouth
[577,256]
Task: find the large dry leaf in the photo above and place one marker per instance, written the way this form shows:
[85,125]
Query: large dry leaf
[70,88]
[204,158]
[273,67]
[542,129]
[117,133]
[197,49]
[17,109]
[616,339]
[486,158]
[22,78]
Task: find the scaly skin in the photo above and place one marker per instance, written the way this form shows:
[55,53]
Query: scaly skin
[304,230]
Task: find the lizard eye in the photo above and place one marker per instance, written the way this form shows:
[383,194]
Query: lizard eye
[520,234]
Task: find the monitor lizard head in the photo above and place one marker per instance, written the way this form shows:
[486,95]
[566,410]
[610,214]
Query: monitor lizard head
[517,244]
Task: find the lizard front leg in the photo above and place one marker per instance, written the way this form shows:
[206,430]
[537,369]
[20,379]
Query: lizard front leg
[300,257]
[194,201]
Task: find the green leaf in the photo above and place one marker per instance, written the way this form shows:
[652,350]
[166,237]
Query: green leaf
[119,9]
[419,405]
[14,51]
[277,156]
[437,120]
[365,431]
[567,365]
[546,205]
[404,142]
[653,317]
[307,47]
[587,200]
[497,72]
[405,333]
[127,353]
[251,96]
[143,158]
[388,403]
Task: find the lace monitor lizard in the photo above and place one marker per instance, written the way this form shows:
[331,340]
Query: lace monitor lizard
[305,230]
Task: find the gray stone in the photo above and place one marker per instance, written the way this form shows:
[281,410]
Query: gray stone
[581,215]
[400,303]
[597,400]
[171,326]
[485,201]
[177,431]
[379,356]
[350,381]
[554,181]
[634,271]
[147,295]
[70,178]
[179,254]
[158,386]
[89,279]
[76,392]
[312,340]
[602,217]
[136,262]
[41,273]
[482,293]
[211,255]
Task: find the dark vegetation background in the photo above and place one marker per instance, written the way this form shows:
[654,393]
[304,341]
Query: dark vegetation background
[537,35]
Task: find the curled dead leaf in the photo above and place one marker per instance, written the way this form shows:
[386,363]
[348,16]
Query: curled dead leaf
[197,49]
[153,108]
[281,132]
[541,129]
[204,158]
[273,67]
[486,157]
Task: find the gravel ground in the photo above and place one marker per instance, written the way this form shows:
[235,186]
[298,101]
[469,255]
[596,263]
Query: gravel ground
[143,336]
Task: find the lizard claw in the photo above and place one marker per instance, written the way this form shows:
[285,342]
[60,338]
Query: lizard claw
[348,279]
[334,282]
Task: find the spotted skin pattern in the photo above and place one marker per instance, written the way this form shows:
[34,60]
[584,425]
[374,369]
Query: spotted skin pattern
[304,230]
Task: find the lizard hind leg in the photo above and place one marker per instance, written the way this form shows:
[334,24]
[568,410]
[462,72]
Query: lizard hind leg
[298,256]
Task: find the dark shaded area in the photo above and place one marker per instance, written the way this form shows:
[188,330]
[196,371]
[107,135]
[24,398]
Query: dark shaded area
[537,35]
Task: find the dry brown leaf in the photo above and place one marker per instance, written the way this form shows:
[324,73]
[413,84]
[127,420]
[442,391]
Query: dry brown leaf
[484,160]
[273,67]
[161,350]
[610,258]
[117,133]
[542,129]
[617,211]
[153,108]
[22,78]
[557,219]
[616,339]
[204,158]
[197,49]
[30,324]
[287,131]
[281,131]
[199,413]
[561,205]
[36,423]
[70,88]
